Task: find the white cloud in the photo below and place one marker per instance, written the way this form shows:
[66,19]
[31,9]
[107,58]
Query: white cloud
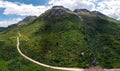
[73,4]
[21,9]
[6,23]
[108,7]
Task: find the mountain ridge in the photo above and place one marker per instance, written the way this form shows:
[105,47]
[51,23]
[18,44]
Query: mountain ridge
[62,33]
[61,37]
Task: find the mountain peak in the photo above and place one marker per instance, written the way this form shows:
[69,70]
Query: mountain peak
[58,7]
[56,11]
[28,18]
[97,13]
[81,10]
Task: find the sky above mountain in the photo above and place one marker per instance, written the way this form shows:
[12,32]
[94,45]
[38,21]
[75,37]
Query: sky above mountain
[12,11]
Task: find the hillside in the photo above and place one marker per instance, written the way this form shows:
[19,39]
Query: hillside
[10,59]
[60,37]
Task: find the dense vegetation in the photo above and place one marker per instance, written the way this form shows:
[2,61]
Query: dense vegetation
[103,38]
[61,38]
[10,59]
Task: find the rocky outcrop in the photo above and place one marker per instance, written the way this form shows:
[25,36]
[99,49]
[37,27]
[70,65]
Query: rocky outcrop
[97,13]
[56,11]
[60,7]
[59,12]
[26,19]
[81,10]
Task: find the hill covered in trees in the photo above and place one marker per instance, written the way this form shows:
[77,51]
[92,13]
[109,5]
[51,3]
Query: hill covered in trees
[82,38]
[61,37]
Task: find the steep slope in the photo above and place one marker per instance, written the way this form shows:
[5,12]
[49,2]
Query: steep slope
[57,39]
[102,37]
[10,59]
[81,38]
[27,19]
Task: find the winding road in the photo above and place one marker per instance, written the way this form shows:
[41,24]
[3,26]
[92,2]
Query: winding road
[55,67]
[44,65]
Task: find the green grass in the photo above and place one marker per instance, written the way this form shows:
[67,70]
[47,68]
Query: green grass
[10,59]
[60,41]
[56,41]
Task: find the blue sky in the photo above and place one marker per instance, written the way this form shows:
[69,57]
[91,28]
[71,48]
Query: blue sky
[12,11]
[11,16]
[34,2]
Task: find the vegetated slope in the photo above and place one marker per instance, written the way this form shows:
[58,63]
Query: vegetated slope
[10,59]
[102,37]
[60,37]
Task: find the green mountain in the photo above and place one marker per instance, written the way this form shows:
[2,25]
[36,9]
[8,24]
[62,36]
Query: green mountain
[61,37]
[10,59]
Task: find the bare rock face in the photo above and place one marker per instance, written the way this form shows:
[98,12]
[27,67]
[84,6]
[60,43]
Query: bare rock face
[26,19]
[97,13]
[57,11]
[81,10]
[59,7]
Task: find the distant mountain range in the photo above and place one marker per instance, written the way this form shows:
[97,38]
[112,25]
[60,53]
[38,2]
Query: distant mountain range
[61,37]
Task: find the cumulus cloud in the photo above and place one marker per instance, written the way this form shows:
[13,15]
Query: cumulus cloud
[108,7]
[6,23]
[73,4]
[21,9]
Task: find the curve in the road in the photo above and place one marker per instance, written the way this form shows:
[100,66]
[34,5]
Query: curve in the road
[54,67]
[45,65]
